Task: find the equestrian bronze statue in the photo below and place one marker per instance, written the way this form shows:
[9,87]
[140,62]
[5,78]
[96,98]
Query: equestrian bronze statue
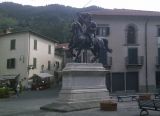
[84,38]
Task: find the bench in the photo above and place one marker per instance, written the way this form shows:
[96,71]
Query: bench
[132,97]
[146,105]
[121,98]
[128,94]
[157,93]
[157,96]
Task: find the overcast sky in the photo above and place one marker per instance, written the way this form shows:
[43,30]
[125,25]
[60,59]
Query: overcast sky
[152,5]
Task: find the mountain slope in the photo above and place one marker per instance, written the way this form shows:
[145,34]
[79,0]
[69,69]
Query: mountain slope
[53,20]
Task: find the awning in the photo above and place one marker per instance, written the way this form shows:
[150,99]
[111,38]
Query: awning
[44,75]
[2,79]
[8,77]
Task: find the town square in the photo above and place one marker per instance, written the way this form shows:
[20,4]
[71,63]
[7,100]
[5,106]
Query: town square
[60,59]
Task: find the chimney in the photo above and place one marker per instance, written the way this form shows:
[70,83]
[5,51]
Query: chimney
[7,31]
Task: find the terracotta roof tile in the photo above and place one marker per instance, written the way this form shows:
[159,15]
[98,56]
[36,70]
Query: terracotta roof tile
[63,45]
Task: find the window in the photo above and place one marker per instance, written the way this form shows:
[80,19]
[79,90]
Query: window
[34,62]
[132,81]
[49,49]
[103,31]
[158,36]
[158,79]
[42,67]
[57,65]
[13,44]
[131,34]
[118,83]
[158,31]
[132,55]
[158,56]
[49,65]
[35,44]
[11,63]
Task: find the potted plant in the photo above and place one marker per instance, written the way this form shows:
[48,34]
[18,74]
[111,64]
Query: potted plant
[145,97]
[108,105]
[4,92]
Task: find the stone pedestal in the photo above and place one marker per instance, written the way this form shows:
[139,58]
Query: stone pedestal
[83,87]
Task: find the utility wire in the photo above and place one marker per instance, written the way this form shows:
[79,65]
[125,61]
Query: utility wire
[87,3]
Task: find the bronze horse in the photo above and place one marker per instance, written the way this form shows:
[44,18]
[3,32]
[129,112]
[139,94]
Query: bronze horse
[80,41]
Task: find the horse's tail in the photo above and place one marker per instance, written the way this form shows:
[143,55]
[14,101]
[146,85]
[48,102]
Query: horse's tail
[105,41]
[102,52]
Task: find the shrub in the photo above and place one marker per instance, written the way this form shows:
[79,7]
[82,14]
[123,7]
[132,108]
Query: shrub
[145,97]
[4,92]
[108,105]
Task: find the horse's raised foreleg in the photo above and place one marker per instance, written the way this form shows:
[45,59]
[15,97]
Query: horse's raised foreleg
[95,55]
[77,55]
[71,51]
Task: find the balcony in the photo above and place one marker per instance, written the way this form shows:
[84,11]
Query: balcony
[134,62]
[158,62]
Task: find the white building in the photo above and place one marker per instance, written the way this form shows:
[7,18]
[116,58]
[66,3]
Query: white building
[134,38]
[26,53]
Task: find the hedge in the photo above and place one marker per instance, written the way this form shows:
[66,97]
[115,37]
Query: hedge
[4,92]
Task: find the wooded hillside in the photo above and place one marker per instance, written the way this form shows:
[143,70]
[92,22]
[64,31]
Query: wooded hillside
[52,21]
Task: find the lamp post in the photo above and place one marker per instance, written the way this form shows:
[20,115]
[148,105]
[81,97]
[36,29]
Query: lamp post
[64,55]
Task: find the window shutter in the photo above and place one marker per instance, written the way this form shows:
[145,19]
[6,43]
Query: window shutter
[49,65]
[107,31]
[35,44]
[13,44]
[13,62]
[158,31]
[8,63]
[49,49]
[34,63]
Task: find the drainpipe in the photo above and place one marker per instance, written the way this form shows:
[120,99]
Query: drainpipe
[28,54]
[146,58]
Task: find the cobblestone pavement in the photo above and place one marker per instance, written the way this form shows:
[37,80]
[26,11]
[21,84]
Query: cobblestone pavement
[29,103]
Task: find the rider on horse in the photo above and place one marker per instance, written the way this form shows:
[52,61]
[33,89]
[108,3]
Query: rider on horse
[84,38]
[90,31]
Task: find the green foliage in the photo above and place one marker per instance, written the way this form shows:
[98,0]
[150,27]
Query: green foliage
[6,22]
[52,21]
[4,92]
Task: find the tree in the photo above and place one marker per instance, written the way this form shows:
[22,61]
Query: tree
[6,22]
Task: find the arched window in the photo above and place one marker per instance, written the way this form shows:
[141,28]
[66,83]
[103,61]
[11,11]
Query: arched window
[131,34]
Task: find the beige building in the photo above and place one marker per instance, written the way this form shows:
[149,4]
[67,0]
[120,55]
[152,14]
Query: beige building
[26,53]
[134,37]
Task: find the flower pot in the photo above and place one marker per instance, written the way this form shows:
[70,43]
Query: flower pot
[145,97]
[108,106]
